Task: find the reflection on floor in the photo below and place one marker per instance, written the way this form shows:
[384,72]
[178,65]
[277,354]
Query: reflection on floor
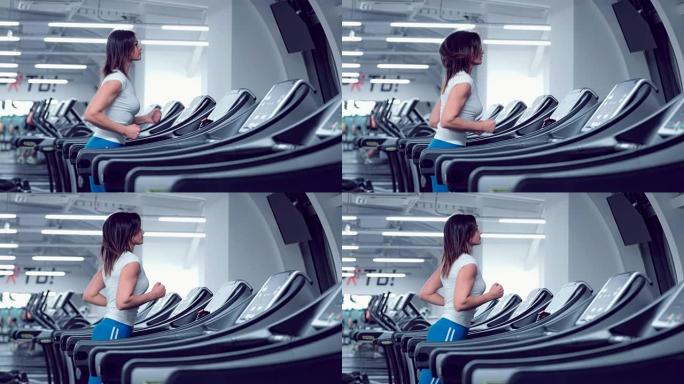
[365,360]
[24,360]
[36,174]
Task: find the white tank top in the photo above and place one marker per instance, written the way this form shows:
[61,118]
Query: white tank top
[123,108]
[470,111]
[126,316]
[449,283]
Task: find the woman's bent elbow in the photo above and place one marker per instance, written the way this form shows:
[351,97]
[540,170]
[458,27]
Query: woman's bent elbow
[121,305]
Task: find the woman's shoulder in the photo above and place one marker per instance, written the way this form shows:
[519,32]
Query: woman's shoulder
[128,257]
[465,258]
[116,75]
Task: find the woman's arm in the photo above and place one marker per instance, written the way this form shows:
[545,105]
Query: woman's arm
[450,118]
[92,293]
[463,300]
[125,298]
[153,117]
[434,116]
[429,290]
[103,99]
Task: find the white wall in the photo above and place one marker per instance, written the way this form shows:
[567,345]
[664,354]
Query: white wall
[561,53]
[169,76]
[556,249]
[510,75]
[669,208]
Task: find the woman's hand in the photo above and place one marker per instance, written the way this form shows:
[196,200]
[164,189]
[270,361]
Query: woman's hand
[158,290]
[487,126]
[496,291]
[132,131]
[154,115]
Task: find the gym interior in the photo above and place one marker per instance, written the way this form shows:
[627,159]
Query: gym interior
[247,94]
[252,291]
[586,95]
[593,288]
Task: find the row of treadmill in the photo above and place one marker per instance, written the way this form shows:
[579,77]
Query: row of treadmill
[287,141]
[626,332]
[285,329]
[579,143]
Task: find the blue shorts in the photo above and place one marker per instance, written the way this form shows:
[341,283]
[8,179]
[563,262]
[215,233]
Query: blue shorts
[443,330]
[109,329]
[99,143]
[440,144]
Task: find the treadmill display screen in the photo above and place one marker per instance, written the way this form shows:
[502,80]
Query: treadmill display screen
[500,306]
[186,302]
[269,293]
[675,125]
[529,112]
[221,297]
[566,105]
[187,112]
[611,106]
[269,106]
[331,314]
[607,297]
[330,126]
[673,313]
[481,309]
[504,114]
[527,303]
[223,106]
[160,304]
[561,298]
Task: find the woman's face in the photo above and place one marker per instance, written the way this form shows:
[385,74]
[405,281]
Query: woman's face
[478,57]
[475,238]
[138,238]
[136,54]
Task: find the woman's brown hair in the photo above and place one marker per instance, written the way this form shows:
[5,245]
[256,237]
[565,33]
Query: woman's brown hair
[120,44]
[117,232]
[458,51]
[457,233]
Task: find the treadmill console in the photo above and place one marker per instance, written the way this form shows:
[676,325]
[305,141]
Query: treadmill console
[675,123]
[529,112]
[527,303]
[269,293]
[160,304]
[224,106]
[221,297]
[673,313]
[187,112]
[273,102]
[561,297]
[504,114]
[567,104]
[500,306]
[609,294]
[330,124]
[331,314]
[186,302]
[614,103]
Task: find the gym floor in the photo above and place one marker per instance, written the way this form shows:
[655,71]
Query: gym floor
[365,360]
[24,360]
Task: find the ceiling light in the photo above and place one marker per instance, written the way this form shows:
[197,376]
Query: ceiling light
[6,273]
[344,274]
[194,28]
[8,231]
[181,43]
[79,40]
[352,53]
[373,274]
[522,221]
[48,81]
[8,258]
[433,25]
[412,234]
[351,74]
[75,217]
[351,65]
[9,38]
[10,53]
[7,266]
[351,39]
[9,23]
[349,80]
[9,65]
[349,269]
[61,66]
[8,74]
[396,260]
[90,25]
[351,24]
[350,247]
[171,219]
[428,40]
[517,42]
[403,66]
[73,232]
[8,215]
[45,273]
[9,245]
[349,233]
[390,81]
[427,219]
[349,218]
[8,81]
[58,258]
[344,259]
[522,27]
[198,235]
[512,236]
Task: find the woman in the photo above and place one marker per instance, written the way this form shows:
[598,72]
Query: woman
[464,288]
[458,105]
[112,111]
[122,278]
